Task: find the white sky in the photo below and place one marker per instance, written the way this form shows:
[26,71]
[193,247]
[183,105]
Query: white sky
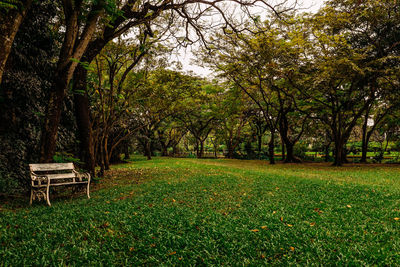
[186,57]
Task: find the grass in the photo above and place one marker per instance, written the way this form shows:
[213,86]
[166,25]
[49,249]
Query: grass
[213,212]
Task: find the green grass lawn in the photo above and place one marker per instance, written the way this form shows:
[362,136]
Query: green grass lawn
[214,212]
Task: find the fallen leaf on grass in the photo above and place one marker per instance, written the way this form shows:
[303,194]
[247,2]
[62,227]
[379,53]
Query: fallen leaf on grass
[318,210]
[349,206]
[131,249]
[289,225]
[312,224]
[292,248]
[264,227]
[172,253]
[254,230]
[396,219]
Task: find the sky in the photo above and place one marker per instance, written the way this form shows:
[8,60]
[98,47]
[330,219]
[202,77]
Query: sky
[186,58]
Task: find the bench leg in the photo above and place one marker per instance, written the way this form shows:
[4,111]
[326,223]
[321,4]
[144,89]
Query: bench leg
[30,201]
[47,195]
[87,189]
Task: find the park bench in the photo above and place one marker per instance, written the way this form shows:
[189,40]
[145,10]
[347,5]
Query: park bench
[46,175]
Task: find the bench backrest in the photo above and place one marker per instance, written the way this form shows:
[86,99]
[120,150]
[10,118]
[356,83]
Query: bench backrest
[43,167]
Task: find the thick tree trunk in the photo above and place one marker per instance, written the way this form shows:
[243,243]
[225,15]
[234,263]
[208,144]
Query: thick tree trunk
[148,149]
[259,145]
[82,114]
[52,120]
[126,151]
[73,47]
[271,147]
[174,150]
[164,151]
[327,153]
[287,143]
[200,151]
[10,20]
[290,158]
[364,150]
[338,153]
[283,148]
[230,150]
[344,156]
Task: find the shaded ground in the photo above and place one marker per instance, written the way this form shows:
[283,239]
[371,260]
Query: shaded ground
[188,211]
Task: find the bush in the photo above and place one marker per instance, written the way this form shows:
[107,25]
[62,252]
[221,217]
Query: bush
[300,150]
[63,157]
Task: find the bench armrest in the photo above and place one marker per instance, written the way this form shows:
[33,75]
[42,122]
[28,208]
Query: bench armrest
[82,175]
[39,179]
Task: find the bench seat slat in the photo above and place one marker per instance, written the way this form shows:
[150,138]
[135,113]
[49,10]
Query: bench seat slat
[61,176]
[58,184]
[51,166]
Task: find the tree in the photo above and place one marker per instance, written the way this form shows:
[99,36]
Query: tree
[233,118]
[129,16]
[348,67]
[199,111]
[256,63]
[80,20]
[160,99]
[12,13]
[25,84]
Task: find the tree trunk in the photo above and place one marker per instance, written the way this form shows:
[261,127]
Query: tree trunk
[73,46]
[200,152]
[106,155]
[230,150]
[259,145]
[126,151]
[327,153]
[164,151]
[174,150]
[283,149]
[338,153]
[197,148]
[271,147]
[148,149]
[52,119]
[290,158]
[364,140]
[100,149]
[82,114]
[10,20]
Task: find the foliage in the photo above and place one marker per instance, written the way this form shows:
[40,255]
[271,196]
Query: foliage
[23,96]
[62,157]
[9,4]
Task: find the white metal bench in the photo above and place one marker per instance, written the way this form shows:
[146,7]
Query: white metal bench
[46,175]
